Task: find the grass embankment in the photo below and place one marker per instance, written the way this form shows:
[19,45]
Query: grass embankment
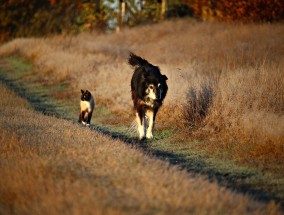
[223,114]
[53,166]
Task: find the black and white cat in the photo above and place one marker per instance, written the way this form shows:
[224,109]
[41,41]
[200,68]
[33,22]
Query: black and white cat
[87,105]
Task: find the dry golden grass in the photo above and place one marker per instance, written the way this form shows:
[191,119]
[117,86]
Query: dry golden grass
[52,166]
[243,65]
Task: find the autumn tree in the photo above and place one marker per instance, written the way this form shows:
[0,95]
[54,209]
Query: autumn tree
[238,10]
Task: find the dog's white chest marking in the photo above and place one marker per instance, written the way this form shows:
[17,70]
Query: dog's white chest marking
[149,102]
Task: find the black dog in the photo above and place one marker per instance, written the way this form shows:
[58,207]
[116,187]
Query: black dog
[148,89]
[87,105]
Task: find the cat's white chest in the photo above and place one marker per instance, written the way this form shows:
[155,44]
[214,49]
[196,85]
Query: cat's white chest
[87,105]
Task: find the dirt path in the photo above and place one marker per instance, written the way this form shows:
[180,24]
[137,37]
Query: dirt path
[45,105]
[164,189]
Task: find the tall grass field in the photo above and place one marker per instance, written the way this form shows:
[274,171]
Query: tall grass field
[226,84]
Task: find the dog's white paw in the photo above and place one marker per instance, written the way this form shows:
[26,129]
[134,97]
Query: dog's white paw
[149,136]
[141,137]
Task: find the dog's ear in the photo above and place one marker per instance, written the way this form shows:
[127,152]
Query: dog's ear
[165,77]
[82,91]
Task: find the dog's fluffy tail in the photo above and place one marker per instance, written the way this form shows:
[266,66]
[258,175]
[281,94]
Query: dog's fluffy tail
[135,60]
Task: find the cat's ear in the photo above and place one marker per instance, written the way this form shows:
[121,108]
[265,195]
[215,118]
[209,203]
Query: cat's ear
[82,91]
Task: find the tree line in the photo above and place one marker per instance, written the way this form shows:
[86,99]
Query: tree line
[239,10]
[24,18]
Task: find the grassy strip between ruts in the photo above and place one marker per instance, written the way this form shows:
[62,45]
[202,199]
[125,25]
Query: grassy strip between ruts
[18,75]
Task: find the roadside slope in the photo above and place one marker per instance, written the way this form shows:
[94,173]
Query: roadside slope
[53,166]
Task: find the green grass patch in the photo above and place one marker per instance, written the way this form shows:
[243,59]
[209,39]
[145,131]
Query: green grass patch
[16,73]
[19,67]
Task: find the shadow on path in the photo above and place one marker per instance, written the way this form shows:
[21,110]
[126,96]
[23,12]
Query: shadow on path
[195,167]
[37,100]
